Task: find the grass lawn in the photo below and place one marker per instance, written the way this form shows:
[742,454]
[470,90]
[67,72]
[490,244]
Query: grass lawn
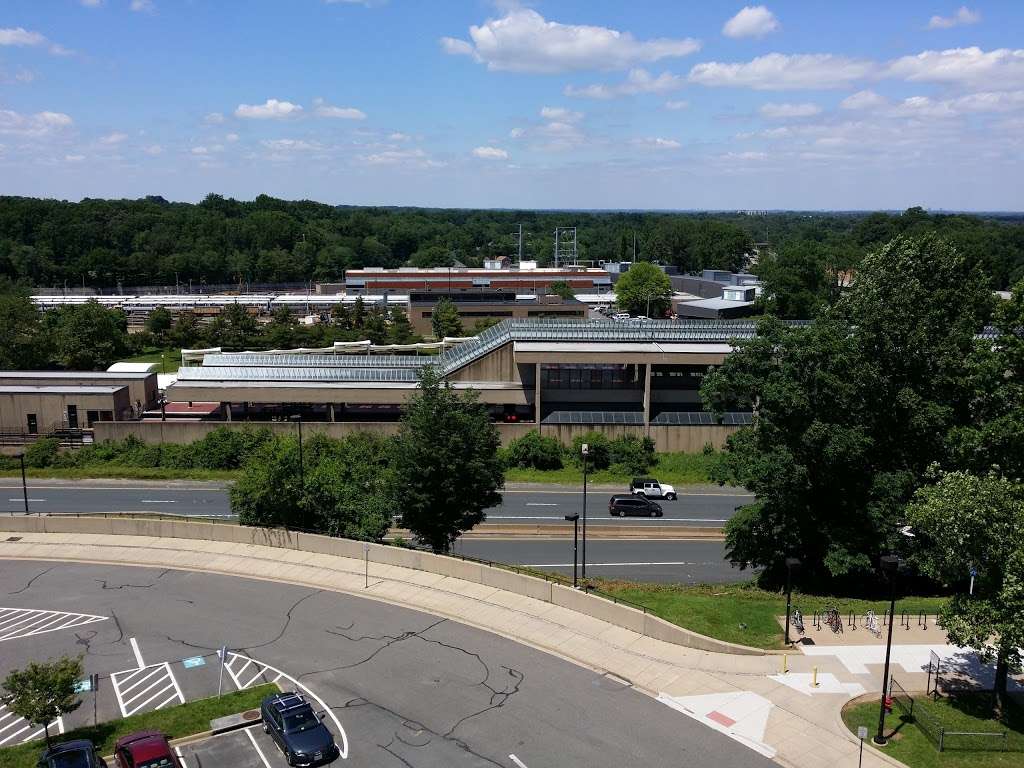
[183,720]
[168,360]
[741,613]
[965,712]
[672,468]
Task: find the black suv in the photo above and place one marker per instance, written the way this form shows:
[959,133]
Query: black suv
[71,754]
[634,506]
[298,731]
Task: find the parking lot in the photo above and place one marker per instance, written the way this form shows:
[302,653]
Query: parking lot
[246,748]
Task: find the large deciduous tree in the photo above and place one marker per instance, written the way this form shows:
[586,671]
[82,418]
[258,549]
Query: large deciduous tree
[21,343]
[44,691]
[444,320]
[446,465]
[644,289]
[966,522]
[86,337]
[850,411]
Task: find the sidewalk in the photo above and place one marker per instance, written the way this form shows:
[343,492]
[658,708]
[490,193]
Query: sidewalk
[746,697]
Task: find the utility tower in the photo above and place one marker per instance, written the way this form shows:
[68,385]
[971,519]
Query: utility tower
[565,245]
[519,235]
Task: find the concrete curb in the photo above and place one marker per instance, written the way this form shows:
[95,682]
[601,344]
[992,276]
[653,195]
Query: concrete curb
[618,614]
[848,734]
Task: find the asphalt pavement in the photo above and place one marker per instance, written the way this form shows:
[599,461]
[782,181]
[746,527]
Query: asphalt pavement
[705,506]
[654,560]
[405,687]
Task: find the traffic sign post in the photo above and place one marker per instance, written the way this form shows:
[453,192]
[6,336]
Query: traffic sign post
[862,733]
[222,654]
[366,565]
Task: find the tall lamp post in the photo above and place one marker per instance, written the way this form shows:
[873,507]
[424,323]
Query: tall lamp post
[574,518]
[792,566]
[585,450]
[890,565]
[302,469]
[24,484]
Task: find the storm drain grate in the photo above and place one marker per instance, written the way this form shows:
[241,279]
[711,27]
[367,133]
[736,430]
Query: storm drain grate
[14,538]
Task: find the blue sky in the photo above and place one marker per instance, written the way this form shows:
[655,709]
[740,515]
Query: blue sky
[556,104]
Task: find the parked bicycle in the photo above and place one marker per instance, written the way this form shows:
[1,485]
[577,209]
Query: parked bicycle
[871,624]
[798,622]
[834,621]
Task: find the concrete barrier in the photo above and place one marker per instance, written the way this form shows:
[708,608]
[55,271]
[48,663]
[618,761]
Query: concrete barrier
[597,607]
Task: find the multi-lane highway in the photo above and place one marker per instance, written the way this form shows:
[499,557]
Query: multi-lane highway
[706,506]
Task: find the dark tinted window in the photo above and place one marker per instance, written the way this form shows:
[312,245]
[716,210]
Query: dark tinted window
[303,719]
[76,759]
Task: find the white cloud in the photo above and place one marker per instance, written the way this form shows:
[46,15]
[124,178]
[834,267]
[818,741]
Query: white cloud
[291,145]
[211,150]
[752,21]
[92,3]
[153,150]
[113,138]
[200,151]
[342,113]
[657,143]
[561,114]
[863,100]
[784,111]
[517,133]
[1000,69]
[272,109]
[231,137]
[143,5]
[524,41]
[675,106]
[213,118]
[21,37]
[37,124]
[778,72]
[638,81]
[399,136]
[744,157]
[963,17]
[409,158]
[74,158]
[490,153]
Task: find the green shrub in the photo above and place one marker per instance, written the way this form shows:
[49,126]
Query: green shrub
[600,450]
[42,452]
[632,454]
[533,451]
[225,448]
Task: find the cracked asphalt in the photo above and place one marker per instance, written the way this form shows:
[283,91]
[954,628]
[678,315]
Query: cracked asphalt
[411,689]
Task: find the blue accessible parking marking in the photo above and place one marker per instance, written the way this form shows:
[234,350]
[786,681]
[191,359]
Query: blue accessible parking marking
[194,661]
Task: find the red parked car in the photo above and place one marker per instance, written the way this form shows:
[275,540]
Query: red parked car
[145,749]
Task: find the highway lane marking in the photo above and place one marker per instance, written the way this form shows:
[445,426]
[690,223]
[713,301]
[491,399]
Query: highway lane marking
[236,678]
[22,498]
[138,654]
[597,565]
[529,503]
[248,732]
[25,622]
[603,520]
[517,761]
[157,501]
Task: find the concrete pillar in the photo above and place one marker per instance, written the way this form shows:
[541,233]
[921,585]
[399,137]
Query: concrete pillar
[227,410]
[647,399]
[536,394]
[330,409]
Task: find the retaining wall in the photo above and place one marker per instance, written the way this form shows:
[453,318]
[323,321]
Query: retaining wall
[529,586]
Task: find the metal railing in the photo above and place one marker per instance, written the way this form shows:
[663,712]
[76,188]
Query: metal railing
[933,729]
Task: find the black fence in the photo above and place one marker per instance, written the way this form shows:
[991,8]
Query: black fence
[937,733]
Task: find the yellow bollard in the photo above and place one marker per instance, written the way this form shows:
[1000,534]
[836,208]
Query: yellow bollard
[785,664]
[814,678]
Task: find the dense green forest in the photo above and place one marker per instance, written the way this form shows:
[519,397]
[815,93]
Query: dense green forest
[107,243]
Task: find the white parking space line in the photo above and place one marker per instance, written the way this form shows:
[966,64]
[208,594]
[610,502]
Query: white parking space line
[181,757]
[248,732]
[517,761]
[234,658]
[25,622]
[157,501]
[12,726]
[146,689]
[138,654]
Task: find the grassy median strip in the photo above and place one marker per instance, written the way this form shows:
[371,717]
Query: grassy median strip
[176,722]
[671,468]
[744,614]
[965,712]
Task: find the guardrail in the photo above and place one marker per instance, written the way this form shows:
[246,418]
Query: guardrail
[549,588]
[935,731]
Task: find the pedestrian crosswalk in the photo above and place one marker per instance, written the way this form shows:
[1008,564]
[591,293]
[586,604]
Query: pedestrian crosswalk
[26,622]
[15,729]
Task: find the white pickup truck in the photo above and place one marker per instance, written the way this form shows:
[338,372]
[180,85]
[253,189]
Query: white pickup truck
[652,489]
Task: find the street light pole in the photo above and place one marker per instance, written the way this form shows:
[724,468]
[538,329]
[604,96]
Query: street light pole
[302,469]
[24,484]
[890,565]
[575,520]
[792,565]
[586,452]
